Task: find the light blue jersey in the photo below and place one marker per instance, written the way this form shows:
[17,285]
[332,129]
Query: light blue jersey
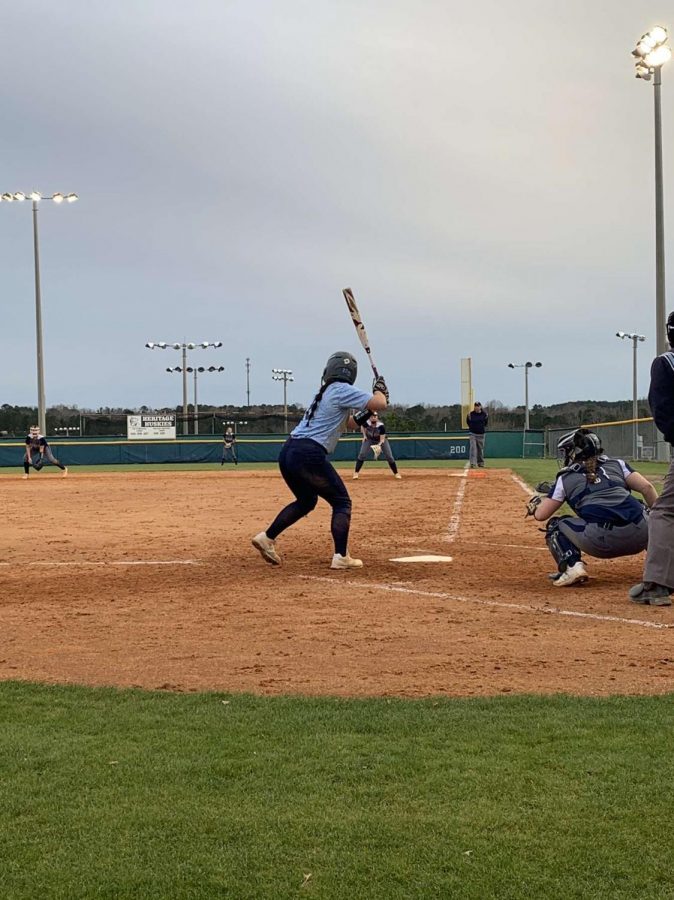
[328,421]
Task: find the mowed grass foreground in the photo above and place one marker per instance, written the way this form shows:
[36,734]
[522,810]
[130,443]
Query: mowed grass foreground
[121,794]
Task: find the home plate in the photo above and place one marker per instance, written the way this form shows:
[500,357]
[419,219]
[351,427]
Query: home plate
[421,559]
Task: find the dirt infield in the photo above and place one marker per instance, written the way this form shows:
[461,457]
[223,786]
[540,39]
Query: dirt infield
[149,579]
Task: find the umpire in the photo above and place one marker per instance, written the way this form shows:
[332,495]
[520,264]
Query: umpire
[658,583]
[477,420]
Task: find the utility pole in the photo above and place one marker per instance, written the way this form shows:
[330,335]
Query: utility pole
[247,381]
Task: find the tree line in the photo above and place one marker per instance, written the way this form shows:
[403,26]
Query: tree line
[64,420]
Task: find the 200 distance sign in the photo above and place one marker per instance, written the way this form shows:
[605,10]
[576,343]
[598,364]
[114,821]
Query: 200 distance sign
[144,428]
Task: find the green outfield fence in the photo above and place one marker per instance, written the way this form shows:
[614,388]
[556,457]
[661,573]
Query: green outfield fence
[252,448]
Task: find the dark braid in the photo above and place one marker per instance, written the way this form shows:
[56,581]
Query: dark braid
[590,466]
[317,399]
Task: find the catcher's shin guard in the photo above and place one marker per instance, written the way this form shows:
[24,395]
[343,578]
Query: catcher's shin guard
[563,551]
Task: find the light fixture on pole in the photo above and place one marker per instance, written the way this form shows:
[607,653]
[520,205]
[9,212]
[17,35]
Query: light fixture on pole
[184,347]
[196,370]
[650,55]
[635,338]
[36,197]
[234,423]
[526,366]
[284,375]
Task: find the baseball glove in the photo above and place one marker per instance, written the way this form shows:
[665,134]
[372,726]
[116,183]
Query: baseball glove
[544,487]
[533,504]
[376,449]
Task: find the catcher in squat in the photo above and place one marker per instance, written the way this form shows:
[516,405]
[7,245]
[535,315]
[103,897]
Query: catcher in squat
[374,439]
[608,521]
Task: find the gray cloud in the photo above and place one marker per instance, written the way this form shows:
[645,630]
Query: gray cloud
[480,175]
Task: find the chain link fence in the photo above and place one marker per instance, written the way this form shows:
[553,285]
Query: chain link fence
[633,439]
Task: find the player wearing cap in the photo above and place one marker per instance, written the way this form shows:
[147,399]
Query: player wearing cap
[608,521]
[37,448]
[304,463]
[477,420]
[375,440]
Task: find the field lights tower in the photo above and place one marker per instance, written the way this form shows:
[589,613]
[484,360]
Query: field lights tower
[623,335]
[196,370]
[184,347]
[650,55]
[36,198]
[526,366]
[284,375]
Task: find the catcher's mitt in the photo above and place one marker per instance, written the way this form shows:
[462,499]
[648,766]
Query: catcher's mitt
[544,487]
[533,504]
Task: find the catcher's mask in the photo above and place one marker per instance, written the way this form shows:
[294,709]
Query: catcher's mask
[340,367]
[579,445]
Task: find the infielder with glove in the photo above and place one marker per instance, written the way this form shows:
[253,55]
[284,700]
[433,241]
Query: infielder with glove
[37,448]
[229,447]
[304,463]
[609,521]
[375,441]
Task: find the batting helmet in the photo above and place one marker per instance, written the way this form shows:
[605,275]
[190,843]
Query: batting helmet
[579,445]
[340,367]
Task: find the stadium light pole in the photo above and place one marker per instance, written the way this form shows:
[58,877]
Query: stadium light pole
[284,375]
[635,338]
[184,347]
[650,55]
[36,197]
[526,366]
[196,370]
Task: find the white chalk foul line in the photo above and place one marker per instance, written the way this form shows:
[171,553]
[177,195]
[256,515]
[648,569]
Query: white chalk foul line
[529,491]
[441,595]
[122,562]
[455,521]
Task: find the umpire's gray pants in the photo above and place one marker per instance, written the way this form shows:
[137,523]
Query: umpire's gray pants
[660,558]
[605,543]
[366,447]
[476,449]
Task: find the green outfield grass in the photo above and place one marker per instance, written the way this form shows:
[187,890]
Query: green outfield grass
[126,794]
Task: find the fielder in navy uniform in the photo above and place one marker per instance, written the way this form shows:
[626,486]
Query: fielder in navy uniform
[609,521]
[229,448]
[658,580]
[37,448]
[375,441]
[304,464]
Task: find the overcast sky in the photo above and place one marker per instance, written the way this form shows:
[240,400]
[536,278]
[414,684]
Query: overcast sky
[481,174]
